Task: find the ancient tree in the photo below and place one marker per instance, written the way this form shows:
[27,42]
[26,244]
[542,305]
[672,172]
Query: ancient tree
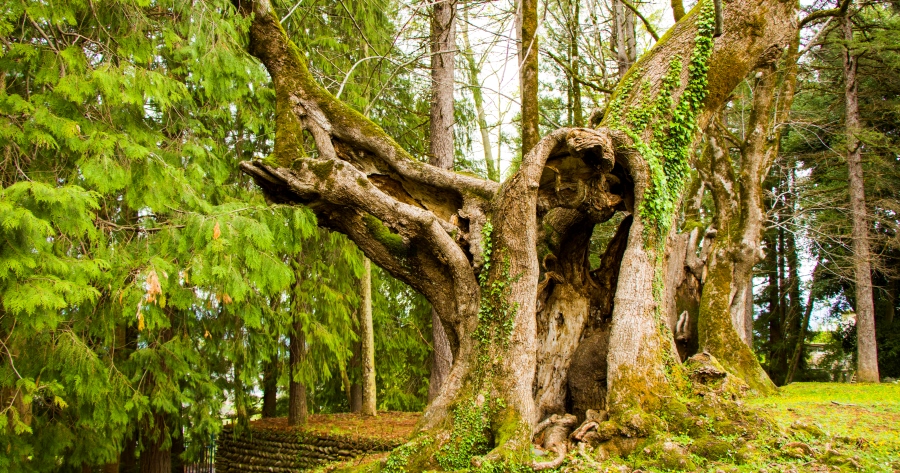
[536,335]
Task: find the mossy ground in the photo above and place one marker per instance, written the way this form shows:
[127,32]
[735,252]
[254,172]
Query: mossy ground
[818,427]
[821,427]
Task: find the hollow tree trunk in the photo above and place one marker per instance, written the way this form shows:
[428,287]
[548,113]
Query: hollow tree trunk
[506,266]
[867,357]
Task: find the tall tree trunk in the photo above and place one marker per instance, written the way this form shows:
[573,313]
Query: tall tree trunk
[443,50]
[443,47]
[297,409]
[367,334]
[740,217]
[804,327]
[155,456]
[867,357]
[472,68]
[574,62]
[527,19]
[355,376]
[626,41]
[270,387]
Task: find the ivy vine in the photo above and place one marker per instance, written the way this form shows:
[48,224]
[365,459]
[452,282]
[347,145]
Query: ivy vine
[667,153]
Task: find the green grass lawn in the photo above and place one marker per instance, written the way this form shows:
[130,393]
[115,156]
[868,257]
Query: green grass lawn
[859,421]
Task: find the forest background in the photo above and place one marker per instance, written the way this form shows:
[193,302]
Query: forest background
[149,293]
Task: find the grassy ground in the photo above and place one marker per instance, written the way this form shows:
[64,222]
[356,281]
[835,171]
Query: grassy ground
[822,427]
[861,421]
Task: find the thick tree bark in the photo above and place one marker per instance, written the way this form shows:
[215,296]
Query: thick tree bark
[527,19]
[367,345]
[867,356]
[506,266]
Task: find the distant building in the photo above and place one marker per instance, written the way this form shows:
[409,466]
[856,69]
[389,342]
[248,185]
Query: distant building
[827,363]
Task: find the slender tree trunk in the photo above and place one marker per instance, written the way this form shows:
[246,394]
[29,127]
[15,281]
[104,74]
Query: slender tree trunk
[367,333]
[804,327]
[297,409]
[355,375]
[867,357]
[626,42]
[443,48]
[574,62]
[677,9]
[892,303]
[493,169]
[270,387]
[527,19]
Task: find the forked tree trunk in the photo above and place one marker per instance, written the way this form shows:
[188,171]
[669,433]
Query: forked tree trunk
[506,266]
[867,356]
[740,217]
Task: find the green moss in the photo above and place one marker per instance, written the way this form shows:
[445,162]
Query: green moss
[393,242]
[399,459]
[322,169]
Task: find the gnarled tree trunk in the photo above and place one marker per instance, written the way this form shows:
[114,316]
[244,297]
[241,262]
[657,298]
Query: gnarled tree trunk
[506,266]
